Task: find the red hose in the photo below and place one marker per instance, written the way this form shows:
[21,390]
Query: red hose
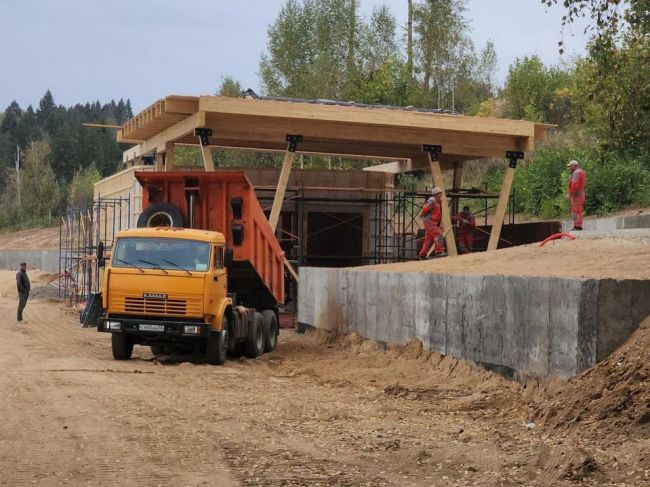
[556,236]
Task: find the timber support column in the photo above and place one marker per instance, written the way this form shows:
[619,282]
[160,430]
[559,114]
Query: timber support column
[160,161]
[289,156]
[433,152]
[204,139]
[169,157]
[500,213]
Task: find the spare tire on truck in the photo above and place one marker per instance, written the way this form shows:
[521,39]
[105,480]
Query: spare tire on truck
[161,215]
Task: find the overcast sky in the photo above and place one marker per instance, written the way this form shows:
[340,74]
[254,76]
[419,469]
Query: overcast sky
[85,50]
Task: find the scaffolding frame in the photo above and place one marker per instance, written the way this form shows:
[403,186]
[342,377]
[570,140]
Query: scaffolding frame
[80,232]
[394,218]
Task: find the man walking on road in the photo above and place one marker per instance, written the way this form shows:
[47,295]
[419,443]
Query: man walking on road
[466,223]
[22,283]
[576,192]
[431,215]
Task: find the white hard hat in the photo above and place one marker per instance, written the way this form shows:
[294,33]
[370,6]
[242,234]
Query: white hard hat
[573,163]
[435,191]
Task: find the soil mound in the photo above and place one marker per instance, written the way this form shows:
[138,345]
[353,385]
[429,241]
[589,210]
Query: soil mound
[612,398]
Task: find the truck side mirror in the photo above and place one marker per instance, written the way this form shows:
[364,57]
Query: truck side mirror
[101,261]
[228,258]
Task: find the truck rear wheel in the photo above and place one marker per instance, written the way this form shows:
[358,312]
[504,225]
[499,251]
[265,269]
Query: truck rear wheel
[270,323]
[122,345]
[217,345]
[255,337]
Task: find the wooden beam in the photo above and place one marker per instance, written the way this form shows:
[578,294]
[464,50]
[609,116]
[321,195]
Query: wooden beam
[438,180]
[375,116]
[174,132]
[169,157]
[500,212]
[282,187]
[206,153]
[159,161]
[290,268]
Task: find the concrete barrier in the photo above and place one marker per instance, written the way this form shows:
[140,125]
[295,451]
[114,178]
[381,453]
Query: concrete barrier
[612,223]
[46,260]
[534,326]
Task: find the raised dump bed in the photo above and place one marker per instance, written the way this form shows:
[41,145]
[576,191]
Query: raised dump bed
[552,311]
[225,202]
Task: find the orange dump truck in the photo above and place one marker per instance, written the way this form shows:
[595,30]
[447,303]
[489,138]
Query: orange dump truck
[202,272]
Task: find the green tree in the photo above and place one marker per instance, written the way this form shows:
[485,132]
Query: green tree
[39,187]
[308,49]
[442,48]
[531,87]
[229,87]
[82,187]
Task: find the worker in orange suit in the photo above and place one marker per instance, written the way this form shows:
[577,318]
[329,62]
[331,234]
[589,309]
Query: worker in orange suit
[576,193]
[466,223]
[431,215]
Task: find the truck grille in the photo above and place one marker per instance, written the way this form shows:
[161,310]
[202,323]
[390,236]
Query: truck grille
[176,307]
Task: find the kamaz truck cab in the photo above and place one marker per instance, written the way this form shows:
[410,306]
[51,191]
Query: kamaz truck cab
[167,288]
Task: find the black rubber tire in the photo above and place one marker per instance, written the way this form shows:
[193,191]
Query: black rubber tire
[161,215]
[217,345]
[237,350]
[122,346]
[255,338]
[157,349]
[270,323]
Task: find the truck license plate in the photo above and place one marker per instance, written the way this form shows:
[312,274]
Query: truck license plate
[152,327]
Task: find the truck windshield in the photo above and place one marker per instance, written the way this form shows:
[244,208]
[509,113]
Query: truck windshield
[161,253]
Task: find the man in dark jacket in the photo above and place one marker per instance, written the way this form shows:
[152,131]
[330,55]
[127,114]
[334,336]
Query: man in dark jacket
[22,283]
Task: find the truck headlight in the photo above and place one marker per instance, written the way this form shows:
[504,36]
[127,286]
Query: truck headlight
[113,325]
[192,329]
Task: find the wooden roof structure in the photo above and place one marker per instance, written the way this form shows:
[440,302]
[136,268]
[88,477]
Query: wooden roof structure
[411,139]
[327,128]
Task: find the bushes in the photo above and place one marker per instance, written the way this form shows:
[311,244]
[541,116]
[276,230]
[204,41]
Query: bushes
[613,181]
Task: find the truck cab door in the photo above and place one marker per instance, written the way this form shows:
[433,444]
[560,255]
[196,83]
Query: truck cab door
[217,285]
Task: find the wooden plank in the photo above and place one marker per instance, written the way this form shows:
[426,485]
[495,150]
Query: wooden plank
[290,268]
[169,157]
[206,154]
[361,115]
[282,186]
[174,132]
[436,174]
[360,136]
[159,161]
[500,212]
[181,104]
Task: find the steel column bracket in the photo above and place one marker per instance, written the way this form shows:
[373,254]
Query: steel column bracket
[204,135]
[293,142]
[513,157]
[434,150]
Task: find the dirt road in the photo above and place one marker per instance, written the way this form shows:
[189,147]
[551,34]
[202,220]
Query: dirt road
[316,412]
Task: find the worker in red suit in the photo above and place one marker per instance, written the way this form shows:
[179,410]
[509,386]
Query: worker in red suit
[431,215]
[576,193]
[466,223]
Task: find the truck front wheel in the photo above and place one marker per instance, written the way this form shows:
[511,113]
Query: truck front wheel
[255,337]
[270,323]
[217,345]
[122,345]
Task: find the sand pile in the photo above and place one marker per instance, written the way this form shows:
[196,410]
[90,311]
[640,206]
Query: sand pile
[611,398]
[611,257]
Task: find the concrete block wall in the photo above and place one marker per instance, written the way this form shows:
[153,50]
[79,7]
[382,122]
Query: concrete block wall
[46,260]
[535,326]
[612,223]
